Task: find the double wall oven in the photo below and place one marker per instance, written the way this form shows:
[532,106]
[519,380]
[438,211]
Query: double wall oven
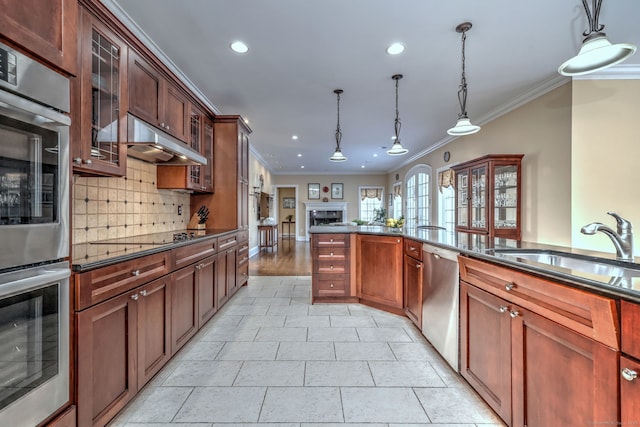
[34,234]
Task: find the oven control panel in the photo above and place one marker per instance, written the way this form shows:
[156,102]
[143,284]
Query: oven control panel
[8,67]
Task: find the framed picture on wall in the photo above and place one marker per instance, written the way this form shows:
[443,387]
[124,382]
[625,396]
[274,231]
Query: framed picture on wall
[288,203]
[313,191]
[337,190]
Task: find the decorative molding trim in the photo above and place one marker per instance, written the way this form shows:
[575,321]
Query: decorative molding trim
[144,38]
[528,96]
[617,72]
[260,159]
[254,251]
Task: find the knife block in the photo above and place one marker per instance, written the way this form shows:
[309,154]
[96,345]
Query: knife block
[194,223]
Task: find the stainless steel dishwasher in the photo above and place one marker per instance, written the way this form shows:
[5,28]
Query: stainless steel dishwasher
[440,296]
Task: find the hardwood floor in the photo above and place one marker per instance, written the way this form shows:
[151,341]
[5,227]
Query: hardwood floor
[289,258]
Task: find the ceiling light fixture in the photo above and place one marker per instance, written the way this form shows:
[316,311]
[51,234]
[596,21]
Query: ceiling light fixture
[338,156]
[397,149]
[294,137]
[596,52]
[239,47]
[463,126]
[395,49]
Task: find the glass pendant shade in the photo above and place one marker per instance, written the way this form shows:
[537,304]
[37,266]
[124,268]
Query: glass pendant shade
[463,127]
[397,149]
[337,156]
[596,54]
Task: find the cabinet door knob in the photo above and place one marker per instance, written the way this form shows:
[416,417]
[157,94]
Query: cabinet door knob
[629,374]
[503,309]
[88,162]
[330,253]
[77,160]
[331,285]
[514,314]
[411,248]
[135,273]
[398,241]
[509,286]
[143,293]
[134,297]
[331,267]
[418,265]
[331,240]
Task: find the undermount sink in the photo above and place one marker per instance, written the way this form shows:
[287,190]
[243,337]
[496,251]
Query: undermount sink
[583,263]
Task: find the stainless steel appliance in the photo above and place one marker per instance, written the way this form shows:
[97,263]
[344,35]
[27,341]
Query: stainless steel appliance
[34,343]
[34,161]
[440,301]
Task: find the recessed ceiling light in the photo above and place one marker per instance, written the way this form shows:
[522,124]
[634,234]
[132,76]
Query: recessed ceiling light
[375,155]
[299,155]
[294,137]
[362,166]
[302,167]
[239,47]
[393,138]
[395,48]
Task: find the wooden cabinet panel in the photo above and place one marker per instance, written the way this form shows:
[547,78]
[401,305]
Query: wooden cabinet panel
[189,254]
[629,392]
[107,340]
[630,328]
[225,275]
[413,281]
[144,89]
[228,241]
[154,328]
[242,267]
[330,285]
[332,240]
[46,28]
[100,284]
[66,419]
[379,265]
[560,377]
[207,298]
[184,307]
[175,112]
[485,347]
[413,249]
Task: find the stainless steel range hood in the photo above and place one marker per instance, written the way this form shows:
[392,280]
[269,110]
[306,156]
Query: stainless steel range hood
[150,144]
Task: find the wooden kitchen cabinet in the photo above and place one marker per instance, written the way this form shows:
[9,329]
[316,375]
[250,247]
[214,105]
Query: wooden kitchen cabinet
[184,306]
[331,274]
[206,282]
[413,281]
[630,363]
[51,33]
[242,260]
[538,352]
[379,263]
[99,147]
[226,275]
[155,100]
[488,195]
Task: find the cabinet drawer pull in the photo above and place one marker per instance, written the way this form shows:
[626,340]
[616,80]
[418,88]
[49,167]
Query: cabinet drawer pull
[418,265]
[398,241]
[629,374]
[229,251]
[331,285]
[330,253]
[331,240]
[514,314]
[509,286]
[88,162]
[331,267]
[503,309]
[134,297]
[143,293]
[135,273]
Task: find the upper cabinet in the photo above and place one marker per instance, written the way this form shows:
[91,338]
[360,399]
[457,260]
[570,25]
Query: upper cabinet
[102,89]
[155,100]
[488,196]
[46,28]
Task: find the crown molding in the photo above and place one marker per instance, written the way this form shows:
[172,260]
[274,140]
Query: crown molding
[260,159]
[617,72]
[124,17]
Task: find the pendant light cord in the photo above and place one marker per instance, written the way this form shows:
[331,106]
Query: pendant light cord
[462,89]
[593,19]
[397,124]
[338,131]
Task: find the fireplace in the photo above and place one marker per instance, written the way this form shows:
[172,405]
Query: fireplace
[321,213]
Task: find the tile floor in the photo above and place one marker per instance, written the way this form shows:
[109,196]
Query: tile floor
[270,357]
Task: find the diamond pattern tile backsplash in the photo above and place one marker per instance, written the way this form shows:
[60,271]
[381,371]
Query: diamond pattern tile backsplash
[109,208]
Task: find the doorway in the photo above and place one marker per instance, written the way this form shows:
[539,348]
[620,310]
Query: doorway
[286,210]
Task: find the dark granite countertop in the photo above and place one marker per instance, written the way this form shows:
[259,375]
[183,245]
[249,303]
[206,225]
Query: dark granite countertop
[480,246]
[88,256]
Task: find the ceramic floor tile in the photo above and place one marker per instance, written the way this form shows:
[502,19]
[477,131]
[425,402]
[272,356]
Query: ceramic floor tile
[332,334]
[272,301]
[288,310]
[302,404]
[262,321]
[228,333]
[405,374]
[242,309]
[222,404]
[391,320]
[271,373]
[338,373]
[329,309]
[201,350]
[454,405]
[222,320]
[282,334]
[161,405]
[344,425]
[306,351]
[366,404]
[307,321]
[352,321]
[249,351]
[383,335]
[413,351]
[162,425]
[193,373]
[363,351]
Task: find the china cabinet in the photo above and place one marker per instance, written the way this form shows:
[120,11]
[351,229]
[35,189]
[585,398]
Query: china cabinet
[488,195]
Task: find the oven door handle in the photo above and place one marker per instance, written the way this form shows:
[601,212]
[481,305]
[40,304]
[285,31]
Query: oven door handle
[37,112]
[47,276]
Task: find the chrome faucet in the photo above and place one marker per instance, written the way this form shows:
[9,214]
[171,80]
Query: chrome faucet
[622,239]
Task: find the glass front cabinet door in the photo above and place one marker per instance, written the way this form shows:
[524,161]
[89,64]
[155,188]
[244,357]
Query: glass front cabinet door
[488,197]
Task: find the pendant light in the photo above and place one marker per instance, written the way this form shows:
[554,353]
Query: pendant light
[338,156]
[397,149]
[596,52]
[463,126]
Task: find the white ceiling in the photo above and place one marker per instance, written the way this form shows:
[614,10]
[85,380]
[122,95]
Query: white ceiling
[301,50]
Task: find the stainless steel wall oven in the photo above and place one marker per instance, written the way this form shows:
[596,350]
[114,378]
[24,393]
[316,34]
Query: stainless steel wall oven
[34,231]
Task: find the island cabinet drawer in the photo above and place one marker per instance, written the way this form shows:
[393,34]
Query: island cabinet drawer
[228,241]
[242,236]
[243,253]
[589,314]
[338,240]
[189,254]
[331,267]
[413,249]
[328,285]
[103,283]
[331,254]
[630,328]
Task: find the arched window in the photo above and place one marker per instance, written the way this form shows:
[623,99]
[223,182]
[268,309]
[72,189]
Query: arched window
[417,184]
[396,200]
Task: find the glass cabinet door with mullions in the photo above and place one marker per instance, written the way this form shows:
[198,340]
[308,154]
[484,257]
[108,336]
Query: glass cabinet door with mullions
[488,196]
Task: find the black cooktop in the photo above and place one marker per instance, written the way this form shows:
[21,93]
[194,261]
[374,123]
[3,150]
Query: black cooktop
[154,239]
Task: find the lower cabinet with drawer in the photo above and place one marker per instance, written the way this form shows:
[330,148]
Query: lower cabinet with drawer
[379,263]
[630,364]
[331,275]
[538,352]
